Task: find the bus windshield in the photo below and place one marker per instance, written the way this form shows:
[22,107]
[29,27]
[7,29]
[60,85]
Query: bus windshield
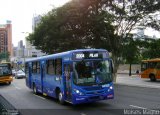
[92,72]
[5,69]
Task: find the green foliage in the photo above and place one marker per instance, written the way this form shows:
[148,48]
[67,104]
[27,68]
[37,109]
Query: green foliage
[140,49]
[150,48]
[4,56]
[131,52]
[95,24]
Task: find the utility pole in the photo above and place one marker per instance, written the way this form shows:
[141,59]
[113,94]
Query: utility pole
[24,55]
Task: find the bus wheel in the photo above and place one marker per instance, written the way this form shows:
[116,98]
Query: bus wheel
[34,89]
[60,97]
[152,77]
[9,83]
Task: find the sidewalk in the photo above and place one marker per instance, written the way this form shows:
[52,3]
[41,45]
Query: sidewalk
[6,108]
[135,80]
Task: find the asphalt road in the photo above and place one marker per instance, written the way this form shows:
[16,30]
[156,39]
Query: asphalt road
[128,99]
[136,80]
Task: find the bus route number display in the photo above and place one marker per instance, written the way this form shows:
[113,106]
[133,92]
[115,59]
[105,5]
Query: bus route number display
[88,55]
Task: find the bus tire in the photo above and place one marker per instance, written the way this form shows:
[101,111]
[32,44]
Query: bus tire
[60,97]
[34,89]
[152,77]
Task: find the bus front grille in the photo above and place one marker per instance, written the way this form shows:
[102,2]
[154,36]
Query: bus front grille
[93,88]
[94,92]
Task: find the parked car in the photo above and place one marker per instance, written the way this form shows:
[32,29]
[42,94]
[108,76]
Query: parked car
[13,72]
[20,74]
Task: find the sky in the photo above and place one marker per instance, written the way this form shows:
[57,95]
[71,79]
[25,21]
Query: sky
[21,12]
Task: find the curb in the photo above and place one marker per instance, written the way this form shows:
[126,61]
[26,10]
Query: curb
[141,86]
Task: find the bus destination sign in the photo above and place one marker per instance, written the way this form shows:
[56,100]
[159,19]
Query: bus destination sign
[89,55]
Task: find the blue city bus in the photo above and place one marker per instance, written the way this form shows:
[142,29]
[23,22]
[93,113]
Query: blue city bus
[76,76]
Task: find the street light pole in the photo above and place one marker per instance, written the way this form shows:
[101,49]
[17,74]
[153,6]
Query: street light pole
[24,46]
[24,54]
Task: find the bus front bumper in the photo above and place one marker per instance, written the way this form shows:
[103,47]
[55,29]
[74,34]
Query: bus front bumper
[92,98]
[6,80]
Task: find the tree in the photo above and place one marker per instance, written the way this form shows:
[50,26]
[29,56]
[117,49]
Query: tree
[4,56]
[131,52]
[150,48]
[93,24]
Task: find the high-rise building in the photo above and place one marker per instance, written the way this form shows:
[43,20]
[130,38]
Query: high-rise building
[20,44]
[35,21]
[6,38]
[19,53]
[20,50]
[32,51]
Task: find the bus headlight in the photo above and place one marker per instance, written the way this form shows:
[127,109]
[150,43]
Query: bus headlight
[110,88]
[77,92]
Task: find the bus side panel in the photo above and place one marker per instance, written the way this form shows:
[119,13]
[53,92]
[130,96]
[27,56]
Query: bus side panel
[27,81]
[28,76]
[145,73]
[6,79]
[158,74]
[36,79]
[51,82]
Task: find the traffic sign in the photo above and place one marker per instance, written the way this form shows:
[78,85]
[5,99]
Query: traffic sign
[19,62]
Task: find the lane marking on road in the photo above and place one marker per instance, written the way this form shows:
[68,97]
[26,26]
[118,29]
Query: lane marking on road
[135,106]
[83,114]
[39,96]
[16,87]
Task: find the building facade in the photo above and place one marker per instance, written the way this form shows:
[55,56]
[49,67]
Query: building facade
[31,50]
[19,53]
[6,38]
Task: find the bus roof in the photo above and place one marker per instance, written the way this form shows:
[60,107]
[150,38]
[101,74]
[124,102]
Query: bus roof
[152,60]
[64,53]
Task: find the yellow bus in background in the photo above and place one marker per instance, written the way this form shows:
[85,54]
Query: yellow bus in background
[150,69]
[6,73]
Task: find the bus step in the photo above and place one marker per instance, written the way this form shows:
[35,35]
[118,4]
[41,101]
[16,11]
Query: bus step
[44,94]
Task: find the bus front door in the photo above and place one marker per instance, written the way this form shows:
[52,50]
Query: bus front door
[29,75]
[68,83]
[42,76]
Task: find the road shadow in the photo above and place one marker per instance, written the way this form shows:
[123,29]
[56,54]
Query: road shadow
[4,85]
[149,81]
[90,106]
[85,106]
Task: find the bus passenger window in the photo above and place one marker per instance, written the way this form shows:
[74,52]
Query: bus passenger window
[67,72]
[38,67]
[34,67]
[5,70]
[26,68]
[152,64]
[158,65]
[50,67]
[58,66]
